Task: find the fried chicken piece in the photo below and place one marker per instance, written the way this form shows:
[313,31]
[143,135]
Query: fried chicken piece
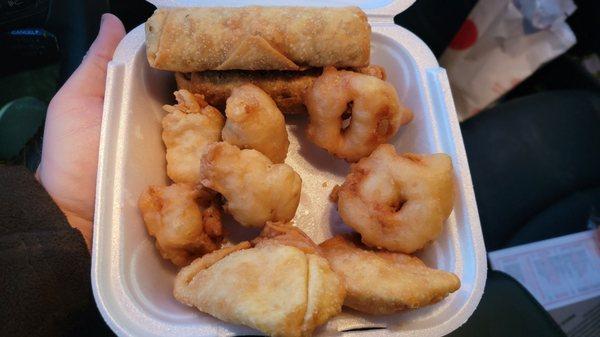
[256,190]
[188,127]
[273,287]
[379,282]
[255,122]
[185,222]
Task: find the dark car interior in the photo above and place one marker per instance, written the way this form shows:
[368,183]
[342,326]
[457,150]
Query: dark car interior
[534,156]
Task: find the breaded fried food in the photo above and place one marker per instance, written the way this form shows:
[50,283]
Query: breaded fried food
[286,88]
[255,189]
[188,127]
[257,38]
[186,222]
[379,282]
[275,288]
[398,202]
[255,122]
[350,114]
[286,234]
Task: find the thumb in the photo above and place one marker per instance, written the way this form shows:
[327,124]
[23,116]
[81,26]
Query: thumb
[89,79]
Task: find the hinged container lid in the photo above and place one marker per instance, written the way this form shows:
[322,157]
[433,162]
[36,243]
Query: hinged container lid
[373,8]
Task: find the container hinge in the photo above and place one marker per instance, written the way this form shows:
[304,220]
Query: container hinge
[380,18]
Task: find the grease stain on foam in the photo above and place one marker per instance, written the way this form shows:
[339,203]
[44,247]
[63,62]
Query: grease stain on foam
[137,132]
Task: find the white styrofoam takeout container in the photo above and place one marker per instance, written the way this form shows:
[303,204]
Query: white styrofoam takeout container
[133,285]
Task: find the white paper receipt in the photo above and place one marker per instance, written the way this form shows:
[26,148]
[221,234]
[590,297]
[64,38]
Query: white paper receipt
[558,271]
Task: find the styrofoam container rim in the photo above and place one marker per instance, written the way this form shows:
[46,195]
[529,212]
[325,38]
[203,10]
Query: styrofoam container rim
[373,8]
[132,157]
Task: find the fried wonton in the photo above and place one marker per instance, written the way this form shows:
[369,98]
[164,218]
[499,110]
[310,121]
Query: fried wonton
[273,287]
[379,282]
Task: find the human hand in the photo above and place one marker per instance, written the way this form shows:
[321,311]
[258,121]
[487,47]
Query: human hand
[70,151]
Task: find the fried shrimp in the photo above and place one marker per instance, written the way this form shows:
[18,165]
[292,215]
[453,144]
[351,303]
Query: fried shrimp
[255,122]
[379,282]
[256,190]
[398,202]
[188,127]
[351,113]
[185,221]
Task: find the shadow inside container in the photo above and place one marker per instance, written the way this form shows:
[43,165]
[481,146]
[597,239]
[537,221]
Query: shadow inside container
[336,224]
[236,233]
[158,86]
[316,156]
[363,329]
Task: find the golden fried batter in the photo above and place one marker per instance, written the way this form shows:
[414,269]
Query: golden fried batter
[272,287]
[185,222]
[255,38]
[351,113]
[188,127]
[256,190]
[379,282]
[286,234]
[255,122]
[398,202]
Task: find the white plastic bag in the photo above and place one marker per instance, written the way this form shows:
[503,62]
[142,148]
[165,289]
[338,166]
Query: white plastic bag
[500,44]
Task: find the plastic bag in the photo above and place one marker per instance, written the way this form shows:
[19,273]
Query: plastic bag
[500,44]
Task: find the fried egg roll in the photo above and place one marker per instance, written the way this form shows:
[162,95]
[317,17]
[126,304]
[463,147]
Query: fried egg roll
[286,88]
[257,38]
